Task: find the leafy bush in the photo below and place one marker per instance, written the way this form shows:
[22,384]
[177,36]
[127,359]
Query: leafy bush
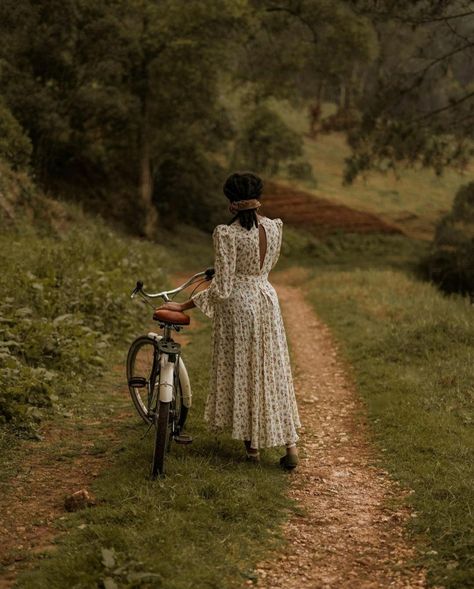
[302,171]
[15,147]
[451,261]
[16,191]
[266,143]
[64,303]
[188,189]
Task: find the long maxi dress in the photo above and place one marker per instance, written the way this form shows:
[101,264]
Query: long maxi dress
[251,387]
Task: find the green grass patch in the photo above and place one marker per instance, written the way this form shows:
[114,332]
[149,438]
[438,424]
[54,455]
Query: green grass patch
[205,525]
[412,351]
[349,250]
[64,303]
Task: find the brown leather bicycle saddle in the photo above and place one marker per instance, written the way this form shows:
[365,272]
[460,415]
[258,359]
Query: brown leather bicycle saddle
[174,317]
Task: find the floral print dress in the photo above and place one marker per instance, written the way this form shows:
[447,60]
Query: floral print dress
[251,387]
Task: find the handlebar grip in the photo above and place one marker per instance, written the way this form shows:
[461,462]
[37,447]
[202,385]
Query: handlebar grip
[137,289]
[209,273]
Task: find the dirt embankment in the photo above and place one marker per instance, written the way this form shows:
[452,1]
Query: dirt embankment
[301,209]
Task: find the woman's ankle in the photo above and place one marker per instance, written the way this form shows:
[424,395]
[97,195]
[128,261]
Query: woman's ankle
[292,450]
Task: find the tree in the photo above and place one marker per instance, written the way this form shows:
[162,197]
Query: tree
[418,107]
[301,48]
[451,261]
[107,90]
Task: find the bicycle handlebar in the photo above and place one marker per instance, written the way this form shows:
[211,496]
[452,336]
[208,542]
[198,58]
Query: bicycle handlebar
[166,294]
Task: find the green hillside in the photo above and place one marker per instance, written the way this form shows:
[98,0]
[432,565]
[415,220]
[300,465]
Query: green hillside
[415,200]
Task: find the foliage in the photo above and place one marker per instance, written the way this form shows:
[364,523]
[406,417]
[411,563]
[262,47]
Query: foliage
[15,147]
[451,261]
[109,92]
[297,48]
[64,303]
[418,97]
[266,142]
[17,194]
[411,349]
[190,189]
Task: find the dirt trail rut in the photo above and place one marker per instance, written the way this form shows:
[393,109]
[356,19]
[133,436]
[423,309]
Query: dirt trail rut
[346,537]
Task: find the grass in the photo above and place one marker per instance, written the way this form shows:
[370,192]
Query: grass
[68,318]
[412,352]
[346,250]
[64,302]
[205,525]
[415,200]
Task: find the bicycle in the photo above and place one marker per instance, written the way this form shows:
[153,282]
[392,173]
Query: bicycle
[156,374]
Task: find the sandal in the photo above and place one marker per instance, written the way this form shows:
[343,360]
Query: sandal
[289,461]
[251,456]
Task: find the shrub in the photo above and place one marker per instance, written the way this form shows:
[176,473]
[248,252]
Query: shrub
[450,263]
[64,303]
[188,189]
[15,146]
[266,143]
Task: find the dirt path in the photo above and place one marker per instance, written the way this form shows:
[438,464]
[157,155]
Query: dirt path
[347,537]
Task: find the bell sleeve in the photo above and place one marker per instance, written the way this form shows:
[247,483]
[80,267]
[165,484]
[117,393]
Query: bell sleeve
[224,267]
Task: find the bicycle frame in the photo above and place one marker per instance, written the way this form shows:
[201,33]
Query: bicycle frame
[182,370]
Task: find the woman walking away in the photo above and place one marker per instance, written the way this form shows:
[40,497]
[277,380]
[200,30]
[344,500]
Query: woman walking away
[251,386]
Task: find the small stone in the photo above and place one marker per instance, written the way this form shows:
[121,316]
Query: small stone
[79,500]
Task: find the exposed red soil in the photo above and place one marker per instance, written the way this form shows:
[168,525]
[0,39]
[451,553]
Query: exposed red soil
[301,209]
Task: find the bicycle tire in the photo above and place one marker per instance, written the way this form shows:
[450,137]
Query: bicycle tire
[162,436]
[180,408]
[141,406]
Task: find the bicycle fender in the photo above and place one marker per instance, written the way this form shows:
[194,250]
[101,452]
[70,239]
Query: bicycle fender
[185,384]
[166,379]
[183,376]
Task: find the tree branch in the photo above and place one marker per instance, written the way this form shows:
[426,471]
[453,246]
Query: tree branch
[297,15]
[437,111]
[457,33]
[413,20]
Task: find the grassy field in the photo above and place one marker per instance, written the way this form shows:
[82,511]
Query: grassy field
[415,200]
[64,302]
[205,525]
[412,353]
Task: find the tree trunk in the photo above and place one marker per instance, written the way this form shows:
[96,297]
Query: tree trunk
[149,217]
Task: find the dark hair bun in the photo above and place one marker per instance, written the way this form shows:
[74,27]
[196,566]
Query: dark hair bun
[243,186]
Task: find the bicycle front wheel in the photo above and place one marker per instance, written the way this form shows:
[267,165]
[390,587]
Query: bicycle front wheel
[162,437]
